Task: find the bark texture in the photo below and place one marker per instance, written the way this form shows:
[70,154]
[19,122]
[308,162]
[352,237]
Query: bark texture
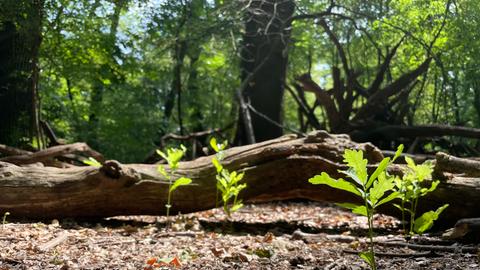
[264,64]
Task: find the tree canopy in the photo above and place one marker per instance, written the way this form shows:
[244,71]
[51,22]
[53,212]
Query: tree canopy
[122,74]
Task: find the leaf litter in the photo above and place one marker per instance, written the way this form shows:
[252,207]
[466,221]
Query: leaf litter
[259,236]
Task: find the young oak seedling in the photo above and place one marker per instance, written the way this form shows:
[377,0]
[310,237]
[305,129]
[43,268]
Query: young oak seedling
[173,157]
[373,190]
[228,183]
[410,188]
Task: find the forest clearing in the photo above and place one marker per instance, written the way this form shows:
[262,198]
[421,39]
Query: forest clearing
[239,134]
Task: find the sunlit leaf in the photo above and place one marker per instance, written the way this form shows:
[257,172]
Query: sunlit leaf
[236,206]
[381,168]
[92,162]
[355,160]
[182,181]
[382,185]
[357,209]
[325,179]
[398,152]
[213,144]
[217,164]
[368,257]
[425,221]
[392,196]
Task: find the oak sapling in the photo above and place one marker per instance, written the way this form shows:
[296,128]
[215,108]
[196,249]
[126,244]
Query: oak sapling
[374,190]
[411,188]
[228,183]
[173,157]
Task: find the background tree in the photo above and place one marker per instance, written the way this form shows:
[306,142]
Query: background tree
[122,75]
[20,39]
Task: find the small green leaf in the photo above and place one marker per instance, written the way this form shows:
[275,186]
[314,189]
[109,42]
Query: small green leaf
[432,188]
[352,175]
[410,163]
[214,145]
[236,206]
[237,178]
[368,257]
[217,164]
[425,221]
[355,160]
[223,183]
[160,153]
[356,209]
[92,162]
[423,171]
[325,179]
[382,185]
[398,152]
[381,168]
[162,171]
[392,196]
[182,181]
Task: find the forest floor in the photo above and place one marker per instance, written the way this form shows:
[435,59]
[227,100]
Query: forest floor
[282,235]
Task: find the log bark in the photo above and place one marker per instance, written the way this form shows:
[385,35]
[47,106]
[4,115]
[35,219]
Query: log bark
[48,156]
[275,170]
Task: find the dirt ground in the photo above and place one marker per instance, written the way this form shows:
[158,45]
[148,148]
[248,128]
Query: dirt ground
[282,235]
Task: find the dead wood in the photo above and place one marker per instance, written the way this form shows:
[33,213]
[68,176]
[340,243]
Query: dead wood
[47,156]
[451,164]
[467,229]
[12,151]
[275,170]
[54,242]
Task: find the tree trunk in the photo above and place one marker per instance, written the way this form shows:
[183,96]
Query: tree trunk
[274,170]
[20,38]
[264,55]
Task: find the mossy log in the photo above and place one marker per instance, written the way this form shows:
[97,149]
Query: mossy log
[274,170]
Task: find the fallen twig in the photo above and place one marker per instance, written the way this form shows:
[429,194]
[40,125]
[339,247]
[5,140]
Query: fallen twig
[391,254]
[55,242]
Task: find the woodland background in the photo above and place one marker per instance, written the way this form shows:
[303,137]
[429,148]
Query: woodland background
[123,74]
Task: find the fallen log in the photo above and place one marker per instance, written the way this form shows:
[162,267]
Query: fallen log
[275,170]
[448,163]
[48,156]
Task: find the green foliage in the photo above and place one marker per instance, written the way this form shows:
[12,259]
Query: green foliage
[173,157]
[410,188]
[92,162]
[425,221]
[228,183]
[375,190]
[106,81]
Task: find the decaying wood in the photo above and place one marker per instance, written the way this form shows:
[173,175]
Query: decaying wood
[275,170]
[48,155]
[448,163]
[465,229]
[12,151]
